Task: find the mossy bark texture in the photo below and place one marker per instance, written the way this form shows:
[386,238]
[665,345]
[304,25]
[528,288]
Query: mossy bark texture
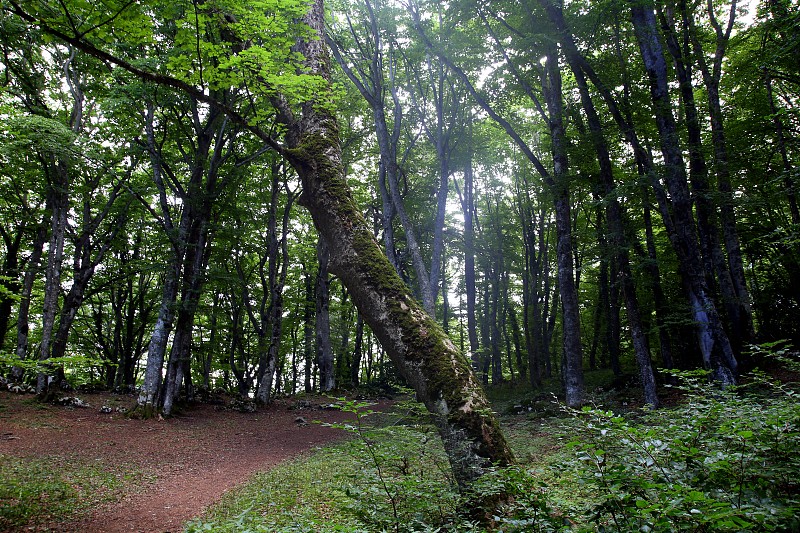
[430,362]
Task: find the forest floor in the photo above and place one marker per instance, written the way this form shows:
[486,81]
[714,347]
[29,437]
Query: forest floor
[166,471]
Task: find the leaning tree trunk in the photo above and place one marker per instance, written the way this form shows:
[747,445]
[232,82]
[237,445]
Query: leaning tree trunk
[426,358]
[423,354]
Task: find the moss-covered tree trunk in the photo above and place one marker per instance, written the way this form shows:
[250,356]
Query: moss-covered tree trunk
[428,360]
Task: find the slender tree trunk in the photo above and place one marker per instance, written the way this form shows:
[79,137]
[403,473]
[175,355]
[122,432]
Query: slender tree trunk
[614,327]
[273,285]
[355,364]
[659,300]
[604,309]
[485,358]
[149,394]
[469,261]
[706,210]
[342,372]
[23,311]
[196,260]
[494,329]
[308,330]
[10,282]
[572,371]
[743,330]
[324,350]
[59,205]
[445,299]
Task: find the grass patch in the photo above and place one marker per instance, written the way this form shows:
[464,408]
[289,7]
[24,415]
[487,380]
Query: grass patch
[392,477]
[36,492]
[722,460]
[299,495]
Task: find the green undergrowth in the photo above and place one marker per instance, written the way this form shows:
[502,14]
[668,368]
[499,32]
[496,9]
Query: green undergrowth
[296,496]
[38,492]
[718,461]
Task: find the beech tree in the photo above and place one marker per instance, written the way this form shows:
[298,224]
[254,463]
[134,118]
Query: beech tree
[428,360]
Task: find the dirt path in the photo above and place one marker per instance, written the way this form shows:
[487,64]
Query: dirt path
[188,461]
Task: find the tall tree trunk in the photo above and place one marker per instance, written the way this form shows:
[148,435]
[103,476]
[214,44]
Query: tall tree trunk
[10,280]
[659,300]
[572,371]
[149,394]
[345,321]
[467,206]
[324,349]
[676,210]
[196,259]
[58,194]
[23,312]
[714,343]
[355,364]
[273,285]
[613,336]
[710,245]
[308,329]
[743,315]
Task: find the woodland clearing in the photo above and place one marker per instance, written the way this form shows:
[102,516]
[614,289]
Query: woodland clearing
[165,471]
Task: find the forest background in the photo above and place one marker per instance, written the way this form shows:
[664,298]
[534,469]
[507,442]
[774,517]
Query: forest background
[562,188]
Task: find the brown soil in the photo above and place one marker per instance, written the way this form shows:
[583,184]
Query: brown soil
[182,464]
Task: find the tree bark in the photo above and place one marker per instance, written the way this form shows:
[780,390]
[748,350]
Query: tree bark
[572,370]
[148,399]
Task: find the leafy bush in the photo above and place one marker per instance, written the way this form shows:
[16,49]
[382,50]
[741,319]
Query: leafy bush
[724,461]
[402,482]
[401,478]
